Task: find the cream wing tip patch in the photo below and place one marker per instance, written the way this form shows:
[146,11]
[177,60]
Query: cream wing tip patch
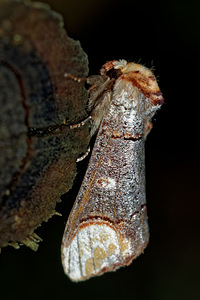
[94,250]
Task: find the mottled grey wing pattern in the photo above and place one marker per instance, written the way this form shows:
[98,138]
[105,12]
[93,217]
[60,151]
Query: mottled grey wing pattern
[107,227]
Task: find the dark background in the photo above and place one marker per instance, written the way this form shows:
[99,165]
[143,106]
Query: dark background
[166,35]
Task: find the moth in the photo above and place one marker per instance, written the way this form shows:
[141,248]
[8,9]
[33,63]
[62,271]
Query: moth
[107,227]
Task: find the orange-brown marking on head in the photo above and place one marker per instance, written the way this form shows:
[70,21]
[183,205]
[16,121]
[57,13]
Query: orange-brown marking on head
[148,86]
[144,79]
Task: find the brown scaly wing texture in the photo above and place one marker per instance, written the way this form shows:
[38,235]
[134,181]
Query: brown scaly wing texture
[107,227]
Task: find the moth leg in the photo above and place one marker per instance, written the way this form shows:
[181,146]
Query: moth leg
[77,126]
[75,78]
[81,123]
[78,79]
[84,155]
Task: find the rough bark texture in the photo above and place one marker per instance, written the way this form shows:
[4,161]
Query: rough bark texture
[38,151]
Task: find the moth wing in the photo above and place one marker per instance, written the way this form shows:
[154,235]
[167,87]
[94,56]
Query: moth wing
[107,227]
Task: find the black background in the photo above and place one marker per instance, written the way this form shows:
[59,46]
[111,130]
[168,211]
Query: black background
[166,35]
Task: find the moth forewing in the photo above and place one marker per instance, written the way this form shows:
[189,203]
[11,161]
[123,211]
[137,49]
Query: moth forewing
[107,227]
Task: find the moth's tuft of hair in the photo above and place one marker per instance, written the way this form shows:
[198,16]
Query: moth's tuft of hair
[120,64]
